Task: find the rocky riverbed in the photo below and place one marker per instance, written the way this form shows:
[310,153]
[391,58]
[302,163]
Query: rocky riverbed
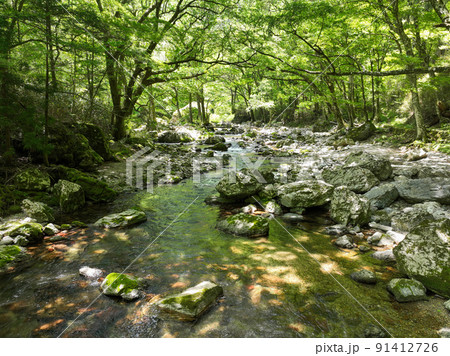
[275,235]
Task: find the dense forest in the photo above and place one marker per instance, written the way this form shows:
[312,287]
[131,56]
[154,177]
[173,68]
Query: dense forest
[122,64]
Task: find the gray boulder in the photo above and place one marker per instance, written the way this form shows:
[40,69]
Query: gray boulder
[305,194]
[382,196]
[336,230]
[173,137]
[90,273]
[447,305]
[357,179]
[379,166]
[39,211]
[361,133]
[32,179]
[349,208]
[364,276]
[124,219]
[410,217]
[425,256]
[239,185]
[422,190]
[384,256]
[272,207]
[245,225]
[193,302]
[344,242]
[407,290]
[70,195]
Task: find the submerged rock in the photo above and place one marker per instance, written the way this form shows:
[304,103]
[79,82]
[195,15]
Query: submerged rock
[427,189]
[32,179]
[374,331]
[121,285]
[193,302]
[407,290]
[425,256]
[364,276]
[349,208]
[245,225]
[293,218]
[124,219]
[9,254]
[239,185]
[70,195]
[39,211]
[305,194]
[379,166]
[357,179]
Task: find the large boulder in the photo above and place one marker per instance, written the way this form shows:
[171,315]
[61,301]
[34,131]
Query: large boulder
[32,179]
[407,219]
[70,195]
[173,137]
[9,254]
[212,140]
[39,211]
[305,194]
[427,189]
[193,302]
[361,133]
[382,196]
[349,208]
[94,189]
[124,219]
[121,285]
[239,185]
[425,255]
[32,231]
[379,166]
[96,138]
[357,179]
[407,290]
[245,225]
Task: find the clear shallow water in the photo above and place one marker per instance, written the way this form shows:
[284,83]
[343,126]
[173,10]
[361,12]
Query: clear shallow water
[272,286]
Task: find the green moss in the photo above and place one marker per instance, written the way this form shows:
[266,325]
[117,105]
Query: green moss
[121,283]
[9,254]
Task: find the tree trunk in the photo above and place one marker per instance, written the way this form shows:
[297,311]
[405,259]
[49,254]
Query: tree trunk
[421,133]
[190,109]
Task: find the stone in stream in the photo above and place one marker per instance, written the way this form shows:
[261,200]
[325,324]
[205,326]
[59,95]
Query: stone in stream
[32,231]
[382,196]
[90,273]
[239,185]
[344,242]
[249,209]
[379,166]
[50,230]
[349,208]
[361,133]
[124,219]
[70,195]
[305,194]
[447,305]
[32,179]
[357,179]
[336,230]
[424,255]
[364,276]
[272,207]
[245,225]
[193,302]
[427,189]
[9,254]
[121,285]
[374,331]
[375,238]
[212,140]
[444,332]
[7,240]
[39,211]
[220,147]
[385,256]
[407,290]
[292,218]
[173,137]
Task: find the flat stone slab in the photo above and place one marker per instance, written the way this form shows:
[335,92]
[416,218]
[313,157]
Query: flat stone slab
[124,219]
[426,189]
[407,290]
[193,302]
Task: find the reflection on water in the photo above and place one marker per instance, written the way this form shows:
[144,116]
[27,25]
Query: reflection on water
[272,287]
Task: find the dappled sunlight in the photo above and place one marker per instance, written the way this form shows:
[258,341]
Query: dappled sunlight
[331,267]
[208,328]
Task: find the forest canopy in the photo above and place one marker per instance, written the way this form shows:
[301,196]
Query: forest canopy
[124,64]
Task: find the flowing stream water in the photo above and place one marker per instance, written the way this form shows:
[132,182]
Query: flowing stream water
[273,287]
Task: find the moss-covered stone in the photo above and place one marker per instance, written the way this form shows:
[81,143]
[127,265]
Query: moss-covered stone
[124,219]
[245,225]
[220,147]
[407,290]
[357,179]
[38,211]
[349,208]
[96,138]
[121,285]
[32,179]
[70,195]
[193,302]
[32,231]
[305,194]
[9,254]
[239,185]
[94,189]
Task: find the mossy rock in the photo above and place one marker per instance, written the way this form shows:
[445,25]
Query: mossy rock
[407,290]
[9,254]
[32,179]
[121,285]
[124,219]
[245,225]
[96,138]
[94,189]
[38,211]
[193,302]
[220,147]
[362,132]
[70,195]
[34,232]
